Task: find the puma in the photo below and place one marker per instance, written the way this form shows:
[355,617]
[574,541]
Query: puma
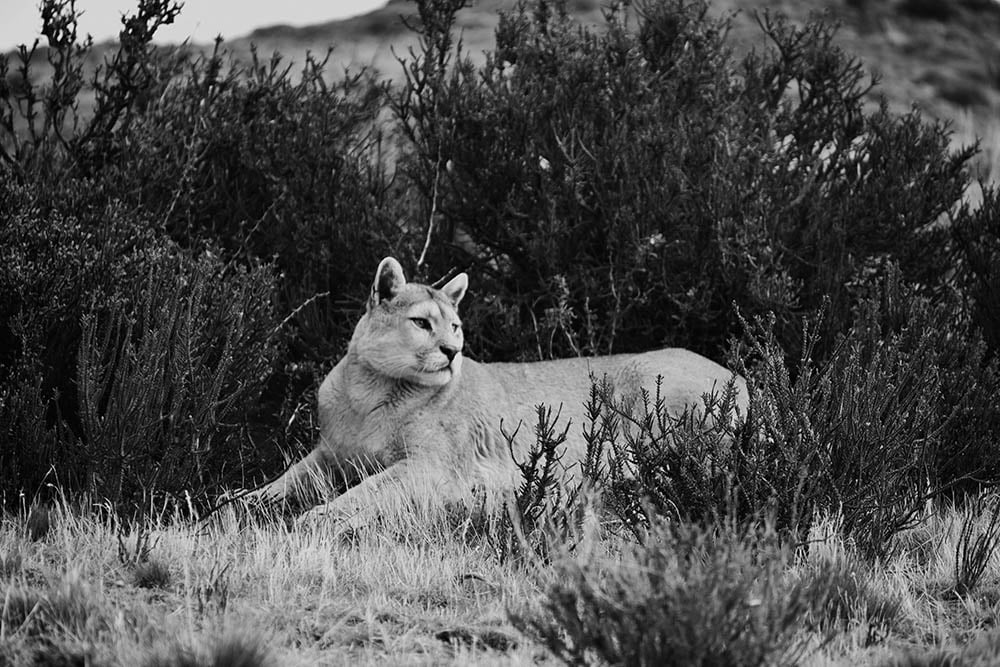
[404,409]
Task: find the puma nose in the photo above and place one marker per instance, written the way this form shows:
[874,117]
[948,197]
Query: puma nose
[449,352]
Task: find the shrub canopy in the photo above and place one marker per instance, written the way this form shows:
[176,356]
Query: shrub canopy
[184,257]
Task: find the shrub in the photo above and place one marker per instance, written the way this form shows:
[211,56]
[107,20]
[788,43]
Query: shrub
[619,188]
[53,265]
[613,189]
[223,166]
[872,433]
[976,233]
[168,379]
[44,129]
[651,463]
[269,165]
[688,596]
[965,373]
[134,368]
[543,512]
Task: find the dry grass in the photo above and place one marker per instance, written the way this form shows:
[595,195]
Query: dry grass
[415,590]
[307,596]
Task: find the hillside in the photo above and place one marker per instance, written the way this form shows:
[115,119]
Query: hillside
[942,57]
[945,60]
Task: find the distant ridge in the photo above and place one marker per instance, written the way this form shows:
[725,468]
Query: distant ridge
[943,56]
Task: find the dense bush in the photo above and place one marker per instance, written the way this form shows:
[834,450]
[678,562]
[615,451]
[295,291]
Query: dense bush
[688,596]
[619,188]
[131,361]
[651,463]
[53,266]
[185,256]
[268,164]
[976,233]
[168,382]
[873,411]
[151,242]
[904,398]
[622,188]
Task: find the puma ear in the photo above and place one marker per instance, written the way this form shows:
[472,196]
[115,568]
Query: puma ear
[455,288]
[389,279]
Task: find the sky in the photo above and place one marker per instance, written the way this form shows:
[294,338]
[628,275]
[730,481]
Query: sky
[201,20]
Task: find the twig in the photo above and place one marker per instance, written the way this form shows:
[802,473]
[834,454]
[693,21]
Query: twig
[434,198]
[297,310]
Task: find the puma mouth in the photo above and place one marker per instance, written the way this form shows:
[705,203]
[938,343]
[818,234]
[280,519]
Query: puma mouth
[430,370]
[437,377]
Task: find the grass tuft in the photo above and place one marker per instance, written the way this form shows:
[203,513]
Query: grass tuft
[18,607]
[10,563]
[151,574]
[852,599]
[71,607]
[977,544]
[233,651]
[38,523]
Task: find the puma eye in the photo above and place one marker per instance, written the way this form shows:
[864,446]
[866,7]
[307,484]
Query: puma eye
[422,322]
[456,327]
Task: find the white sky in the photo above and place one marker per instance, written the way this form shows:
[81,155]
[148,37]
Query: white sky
[201,20]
